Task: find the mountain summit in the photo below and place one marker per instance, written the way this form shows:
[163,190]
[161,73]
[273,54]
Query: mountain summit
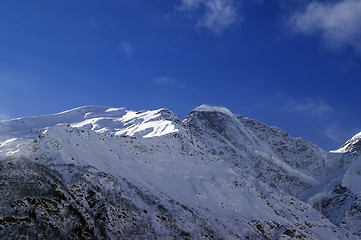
[113,173]
[353,145]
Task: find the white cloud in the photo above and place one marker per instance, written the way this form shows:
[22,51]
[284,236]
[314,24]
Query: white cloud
[190,4]
[215,15]
[339,23]
[126,48]
[165,81]
[312,107]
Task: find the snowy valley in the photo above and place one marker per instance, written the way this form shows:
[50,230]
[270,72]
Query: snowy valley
[112,173]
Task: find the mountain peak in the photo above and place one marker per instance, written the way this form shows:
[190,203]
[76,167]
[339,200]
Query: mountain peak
[210,108]
[352,145]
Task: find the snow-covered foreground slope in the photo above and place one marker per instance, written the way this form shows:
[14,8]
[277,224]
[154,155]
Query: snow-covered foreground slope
[97,172]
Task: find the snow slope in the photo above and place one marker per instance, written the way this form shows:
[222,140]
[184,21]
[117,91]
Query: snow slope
[115,173]
[117,121]
[352,145]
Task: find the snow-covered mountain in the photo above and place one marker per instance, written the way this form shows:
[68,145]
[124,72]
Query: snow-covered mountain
[112,173]
[353,145]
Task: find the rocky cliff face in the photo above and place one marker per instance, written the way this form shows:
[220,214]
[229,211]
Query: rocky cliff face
[113,173]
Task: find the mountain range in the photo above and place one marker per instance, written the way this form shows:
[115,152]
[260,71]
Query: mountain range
[112,173]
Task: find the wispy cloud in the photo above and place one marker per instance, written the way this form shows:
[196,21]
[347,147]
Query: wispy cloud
[333,132]
[338,133]
[190,4]
[215,15]
[126,48]
[164,81]
[339,23]
[312,107]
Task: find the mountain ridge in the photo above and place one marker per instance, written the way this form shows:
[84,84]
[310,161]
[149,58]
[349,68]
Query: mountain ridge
[215,165]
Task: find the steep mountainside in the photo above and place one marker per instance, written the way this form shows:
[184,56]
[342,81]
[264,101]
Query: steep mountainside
[266,153]
[112,173]
[338,195]
[351,146]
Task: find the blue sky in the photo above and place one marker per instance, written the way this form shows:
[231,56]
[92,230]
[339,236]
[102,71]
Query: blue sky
[295,64]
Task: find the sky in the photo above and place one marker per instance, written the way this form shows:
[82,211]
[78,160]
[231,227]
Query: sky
[294,64]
